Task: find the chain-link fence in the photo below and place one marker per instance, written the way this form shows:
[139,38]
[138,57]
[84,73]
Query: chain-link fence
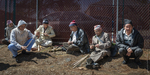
[87,13]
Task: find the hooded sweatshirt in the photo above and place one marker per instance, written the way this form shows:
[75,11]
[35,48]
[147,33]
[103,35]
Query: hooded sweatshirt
[18,37]
[8,31]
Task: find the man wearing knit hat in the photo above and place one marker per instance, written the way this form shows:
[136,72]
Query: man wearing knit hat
[130,42]
[78,40]
[101,44]
[10,26]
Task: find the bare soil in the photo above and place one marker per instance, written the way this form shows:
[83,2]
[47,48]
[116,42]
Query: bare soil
[60,63]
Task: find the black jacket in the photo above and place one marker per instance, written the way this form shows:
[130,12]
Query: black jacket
[81,41]
[136,42]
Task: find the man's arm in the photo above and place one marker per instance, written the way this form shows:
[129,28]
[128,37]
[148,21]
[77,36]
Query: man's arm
[107,43]
[52,33]
[140,42]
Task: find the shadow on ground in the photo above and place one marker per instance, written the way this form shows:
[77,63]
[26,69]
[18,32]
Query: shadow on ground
[41,55]
[143,65]
[5,66]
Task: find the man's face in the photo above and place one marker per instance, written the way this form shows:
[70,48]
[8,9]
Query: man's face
[10,25]
[98,31]
[73,28]
[128,28]
[45,25]
[22,27]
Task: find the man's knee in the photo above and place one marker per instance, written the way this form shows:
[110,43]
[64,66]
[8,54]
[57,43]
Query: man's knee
[122,51]
[11,46]
[138,52]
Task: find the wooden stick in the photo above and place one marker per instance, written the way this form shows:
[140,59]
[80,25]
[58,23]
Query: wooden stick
[27,45]
[30,41]
[78,62]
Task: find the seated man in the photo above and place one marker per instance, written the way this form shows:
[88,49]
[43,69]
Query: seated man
[45,33]
[20,38]
[101,44]
[130,42]
[78,40]
[10,26]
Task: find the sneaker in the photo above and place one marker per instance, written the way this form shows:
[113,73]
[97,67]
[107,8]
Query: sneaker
[64,49]
[95,65]
[14,56]
[69,52]
[124,62]
[89,64]
[89,61]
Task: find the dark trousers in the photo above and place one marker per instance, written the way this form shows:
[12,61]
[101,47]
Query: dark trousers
[136,54]
[70,48]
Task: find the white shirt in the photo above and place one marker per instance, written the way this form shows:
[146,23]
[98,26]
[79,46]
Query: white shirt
[128,38]
[74,37]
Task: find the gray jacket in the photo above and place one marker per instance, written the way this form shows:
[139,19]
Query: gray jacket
[105,42]
[18,37]
[8,31]
[81,41]
[136,42]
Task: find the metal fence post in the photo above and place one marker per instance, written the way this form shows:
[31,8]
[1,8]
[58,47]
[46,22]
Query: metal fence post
[9,9]
[36,14]
[14,11]
[117,18]
[123,14]
[112,21]
[5,14]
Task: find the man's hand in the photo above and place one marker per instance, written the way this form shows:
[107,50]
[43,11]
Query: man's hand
[37,34]
[97,45]
[70,42]
[92,46]
[129,50]
[128,54]
[45,34]
[24,47]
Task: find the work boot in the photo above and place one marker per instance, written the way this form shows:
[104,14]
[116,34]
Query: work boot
[89,64]
[14,56]
[137,61]
[95,65]
[126,59]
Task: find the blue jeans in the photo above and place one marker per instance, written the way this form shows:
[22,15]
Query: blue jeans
[14,49]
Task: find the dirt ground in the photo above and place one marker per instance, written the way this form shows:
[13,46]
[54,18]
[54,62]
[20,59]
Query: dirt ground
[60,63]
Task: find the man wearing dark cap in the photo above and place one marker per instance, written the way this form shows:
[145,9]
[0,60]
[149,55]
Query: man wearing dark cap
[45,33]
[130,42]
[78,40]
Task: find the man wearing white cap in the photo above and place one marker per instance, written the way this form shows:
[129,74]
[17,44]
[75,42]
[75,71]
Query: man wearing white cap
[101,44]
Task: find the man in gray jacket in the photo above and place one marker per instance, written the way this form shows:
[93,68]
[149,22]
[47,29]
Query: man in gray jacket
[21,38]
[101,44]
[78,40]
[130,42]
